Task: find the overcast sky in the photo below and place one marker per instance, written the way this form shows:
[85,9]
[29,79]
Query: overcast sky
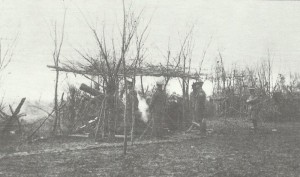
[242,31]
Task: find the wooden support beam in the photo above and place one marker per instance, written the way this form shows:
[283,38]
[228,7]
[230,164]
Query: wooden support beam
[14,117]
[154,71]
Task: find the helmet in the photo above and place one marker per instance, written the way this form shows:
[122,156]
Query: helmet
[200,82]
[129,83]
[194,85]
[159,83]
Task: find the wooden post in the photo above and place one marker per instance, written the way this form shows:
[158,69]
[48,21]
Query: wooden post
[99,118]
[56,59]
[142,85]
[104,119]
[132,121]
[59,118]
[125,112]
[133,109]
[188,92]
[184,89]
[183,98]
[124,77]
[56,101]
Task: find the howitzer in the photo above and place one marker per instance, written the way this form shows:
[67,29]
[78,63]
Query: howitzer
[90,90]
[252,100]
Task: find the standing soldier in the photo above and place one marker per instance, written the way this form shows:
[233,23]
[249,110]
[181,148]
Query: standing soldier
[157,108]
[192,102]
[253,101]
[198,98]
[132,101]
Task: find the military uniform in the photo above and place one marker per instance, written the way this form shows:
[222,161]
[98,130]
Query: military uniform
[253,101]
[200,105]
[193,96]
[132,103]
[198,98]
[157,108]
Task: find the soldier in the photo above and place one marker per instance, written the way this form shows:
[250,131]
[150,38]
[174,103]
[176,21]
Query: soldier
[192,101]
[198,98]
[132,101]
[157,108]
[253,101]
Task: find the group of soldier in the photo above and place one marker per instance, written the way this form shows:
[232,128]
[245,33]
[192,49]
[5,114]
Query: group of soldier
[157,106]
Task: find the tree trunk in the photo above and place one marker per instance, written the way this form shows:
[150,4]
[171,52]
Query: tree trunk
[55,126]
[133,120]
[125,81]
[125,110]
[142,86]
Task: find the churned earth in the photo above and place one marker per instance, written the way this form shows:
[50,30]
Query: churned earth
[232,149]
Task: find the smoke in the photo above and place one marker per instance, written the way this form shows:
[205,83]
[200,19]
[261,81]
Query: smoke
[208,88]
[143,107]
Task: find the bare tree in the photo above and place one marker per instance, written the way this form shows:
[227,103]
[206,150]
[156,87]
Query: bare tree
[6,52]
[204,52]
[58,43]
[179,60]
[116,58]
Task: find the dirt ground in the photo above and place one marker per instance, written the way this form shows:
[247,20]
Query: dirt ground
[232,149]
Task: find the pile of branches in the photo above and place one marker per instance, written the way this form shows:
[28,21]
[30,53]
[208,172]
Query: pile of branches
[83,108]
[99,68]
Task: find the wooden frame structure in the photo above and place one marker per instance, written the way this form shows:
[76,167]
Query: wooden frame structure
[96,69]
[146,70]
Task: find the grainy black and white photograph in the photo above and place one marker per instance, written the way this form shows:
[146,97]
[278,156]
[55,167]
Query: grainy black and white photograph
[172,88]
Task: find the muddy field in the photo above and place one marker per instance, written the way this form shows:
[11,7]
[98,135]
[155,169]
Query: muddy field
[232,149]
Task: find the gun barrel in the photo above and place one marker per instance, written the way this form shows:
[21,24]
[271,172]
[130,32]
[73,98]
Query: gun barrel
[89,90]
